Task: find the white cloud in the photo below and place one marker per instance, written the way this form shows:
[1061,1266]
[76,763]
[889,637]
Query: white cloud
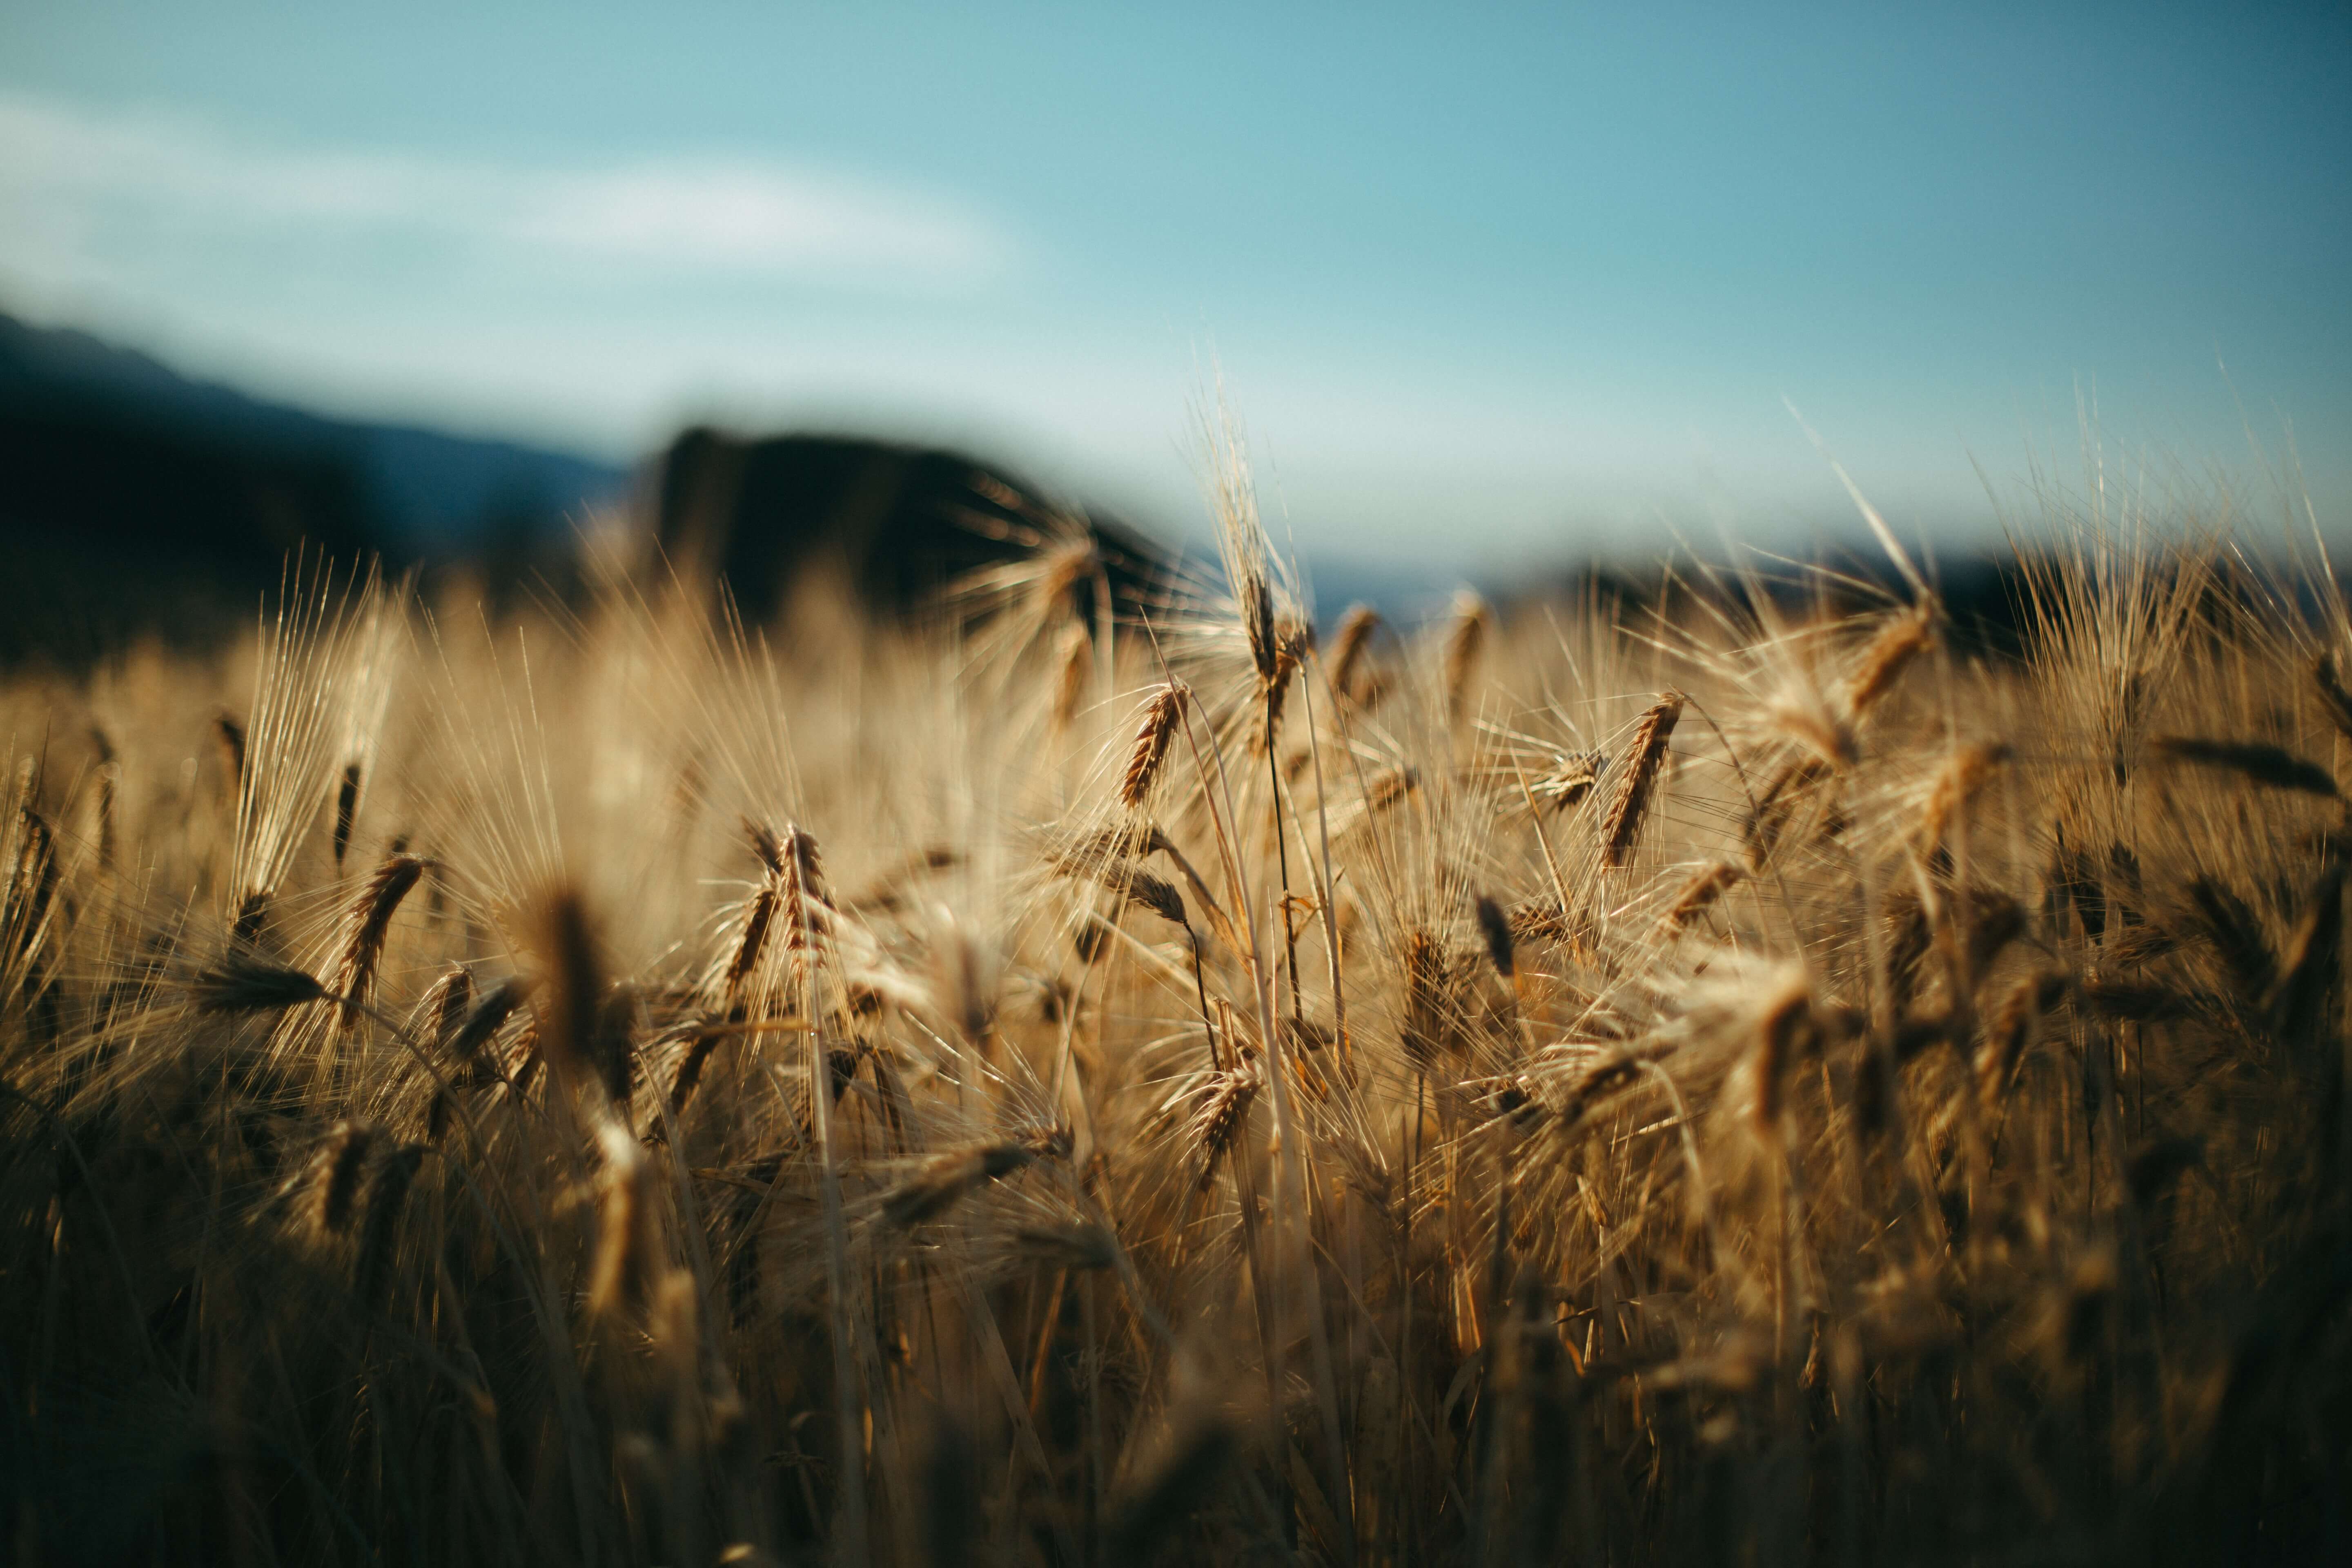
[89,197]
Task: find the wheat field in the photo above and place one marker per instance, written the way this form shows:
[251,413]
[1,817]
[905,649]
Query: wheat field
[1750,1076]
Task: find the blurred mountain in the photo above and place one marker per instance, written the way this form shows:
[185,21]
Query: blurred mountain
[133,497]
[893,524]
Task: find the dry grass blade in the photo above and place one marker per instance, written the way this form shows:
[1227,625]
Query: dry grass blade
[1823,733]
[488,1016]
[1084,1247]
[1387,788]
[2333,697]
[347,810]
[1770,817]
[1073,662]
[1130,882]
[1543,920]
[231,732]
[2310,967]
[1783,1026]
[1495,926]
[2006,1032]
[244,982]
[1699,894]
[574,984]
[626,1247]
[336,1172]
[2236,933]
[380,1227]
[2251,760]
[946,1178]
[1571,780]
[1181,1484]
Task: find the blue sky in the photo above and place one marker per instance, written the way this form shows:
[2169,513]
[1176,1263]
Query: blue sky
[1481,282]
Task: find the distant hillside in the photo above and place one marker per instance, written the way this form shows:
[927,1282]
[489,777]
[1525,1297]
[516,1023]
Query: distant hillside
[133,497]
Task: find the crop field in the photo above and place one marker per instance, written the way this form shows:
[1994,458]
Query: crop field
[1753,1074]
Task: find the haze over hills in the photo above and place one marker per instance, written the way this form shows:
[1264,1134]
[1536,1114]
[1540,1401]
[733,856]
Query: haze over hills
[135,499]
[423,490]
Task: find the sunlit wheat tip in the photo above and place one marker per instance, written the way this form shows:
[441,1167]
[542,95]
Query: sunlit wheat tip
[1160,717]
[1957,783]
[1814,728]
[1256,597]
[1465,644]
[759,914]
[1782,796]
[1350,642]
[486,1017]
[366,926]
[799,846]
[1889,653]
[1424,1025]
[1645,755]
[766,845]
[1224,1109]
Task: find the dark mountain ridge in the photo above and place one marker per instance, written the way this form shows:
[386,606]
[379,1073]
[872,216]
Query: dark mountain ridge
[135,499]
